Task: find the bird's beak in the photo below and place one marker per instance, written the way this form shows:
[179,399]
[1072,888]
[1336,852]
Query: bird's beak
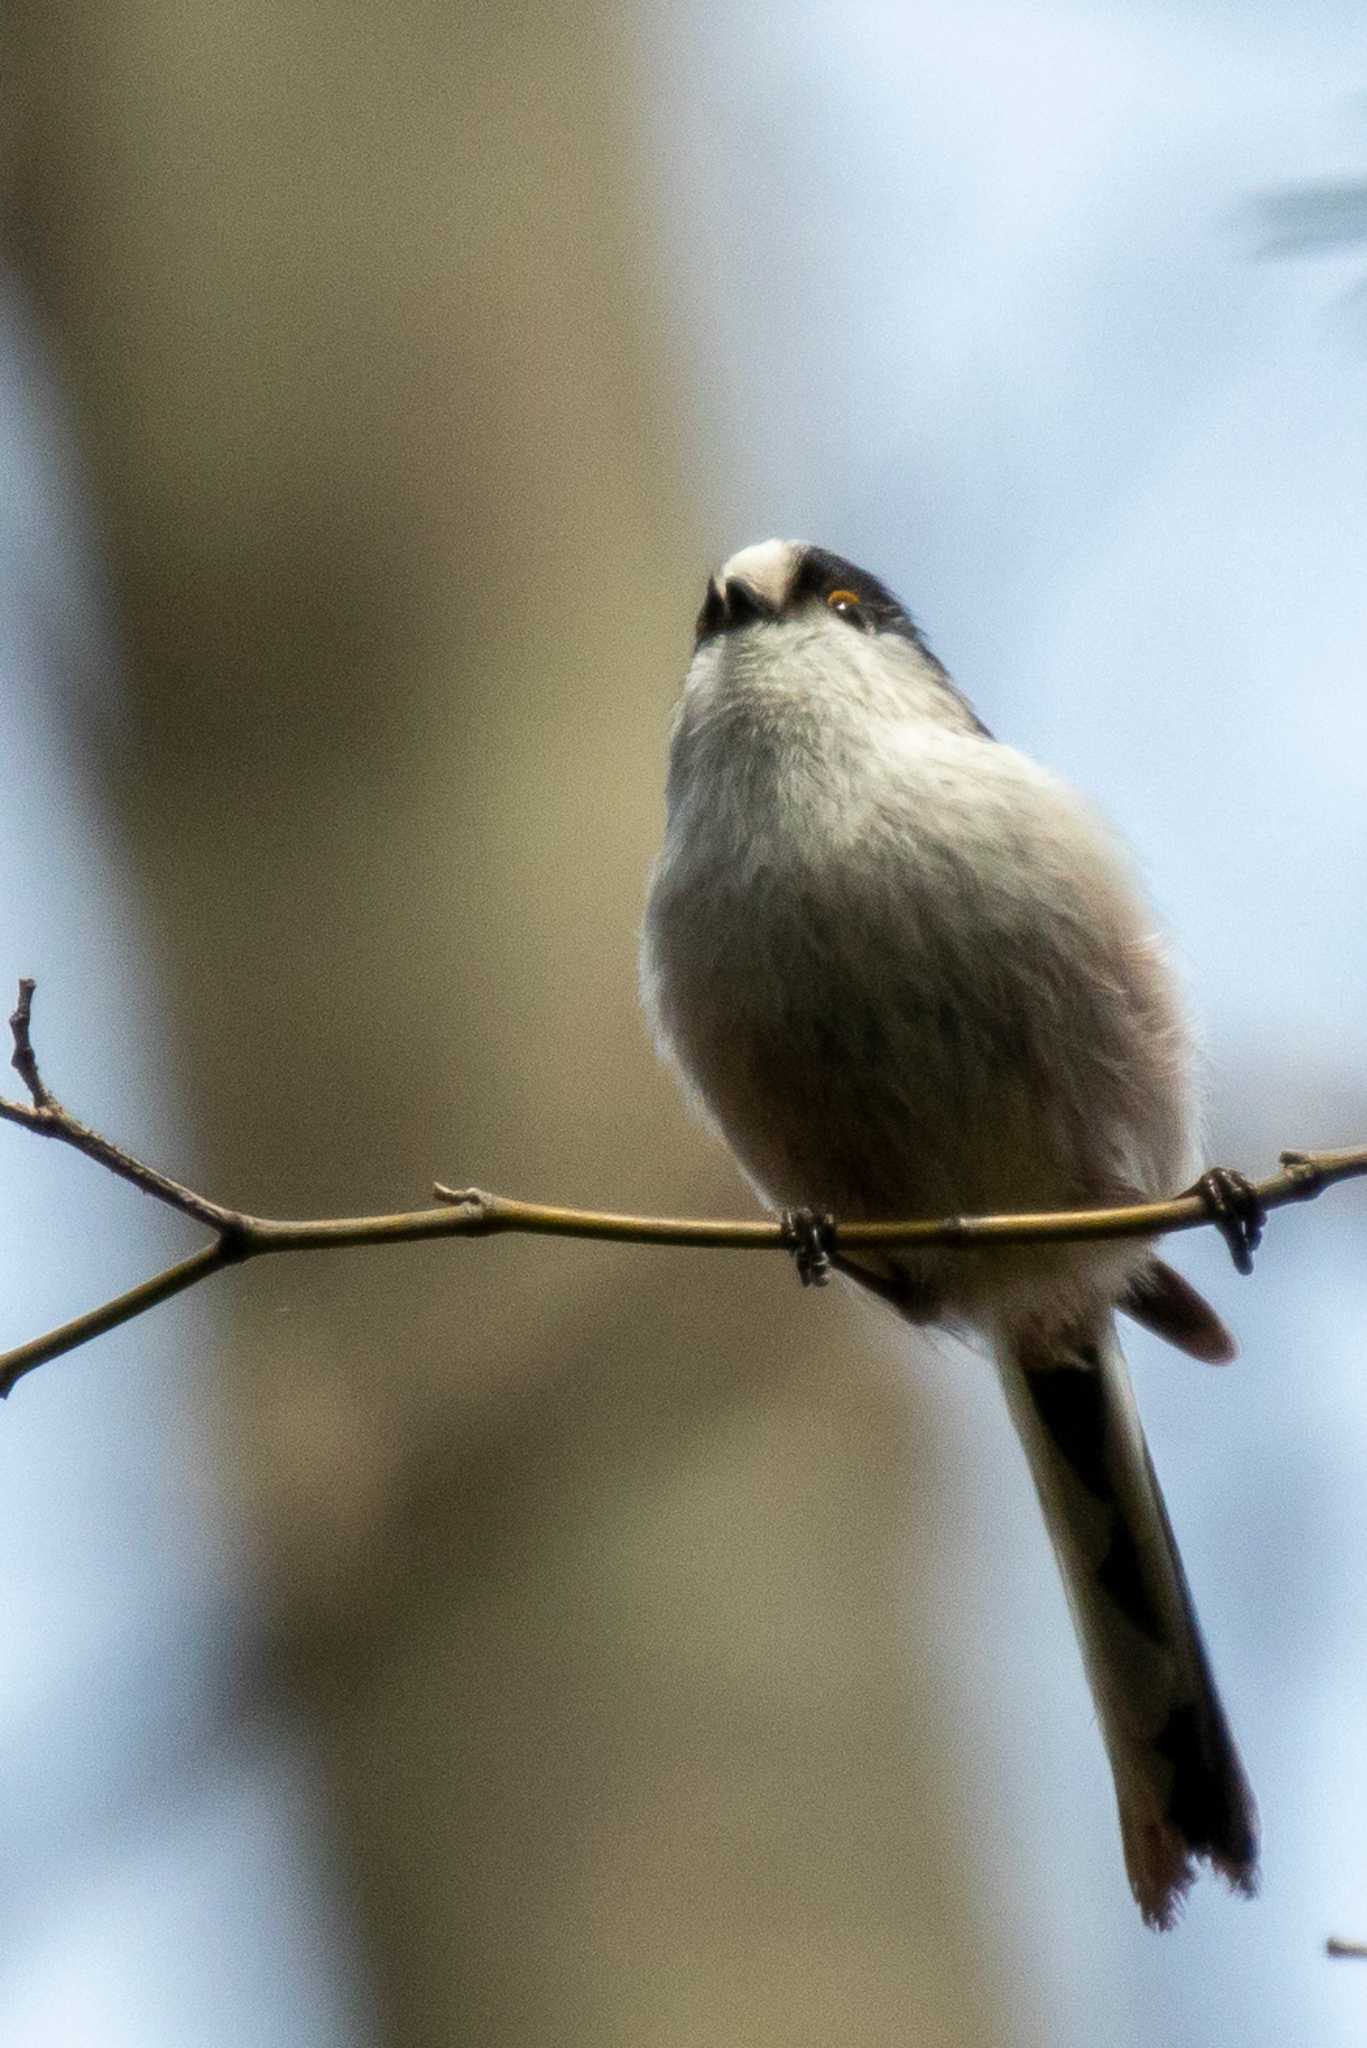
[732,604]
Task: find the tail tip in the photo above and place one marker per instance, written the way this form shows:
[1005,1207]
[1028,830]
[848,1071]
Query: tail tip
[1163,1865]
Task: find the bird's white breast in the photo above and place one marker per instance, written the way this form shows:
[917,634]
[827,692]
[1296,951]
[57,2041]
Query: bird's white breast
[904,968]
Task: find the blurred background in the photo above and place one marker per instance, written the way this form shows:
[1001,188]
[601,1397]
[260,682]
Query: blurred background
[531,1643]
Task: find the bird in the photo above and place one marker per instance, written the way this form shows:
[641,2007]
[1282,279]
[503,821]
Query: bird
[906,972]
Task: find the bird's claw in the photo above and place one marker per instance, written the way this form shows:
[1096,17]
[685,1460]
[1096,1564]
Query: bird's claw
[809,1237]
[1236,1209]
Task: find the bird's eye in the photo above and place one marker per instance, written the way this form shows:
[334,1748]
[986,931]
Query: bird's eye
[847,605]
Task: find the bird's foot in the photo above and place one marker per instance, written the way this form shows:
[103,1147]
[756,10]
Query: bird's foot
[1236,1210]
[809,1237]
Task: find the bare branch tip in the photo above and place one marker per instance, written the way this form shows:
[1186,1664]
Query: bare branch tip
[23,1059]
[22,1012]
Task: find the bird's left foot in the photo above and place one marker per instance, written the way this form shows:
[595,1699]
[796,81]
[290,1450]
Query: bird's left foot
[1236,1209]
[809,1237]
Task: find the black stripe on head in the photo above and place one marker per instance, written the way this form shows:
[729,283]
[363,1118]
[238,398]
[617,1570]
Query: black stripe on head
[818,573]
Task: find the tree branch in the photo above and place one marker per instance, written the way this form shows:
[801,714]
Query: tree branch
[468,1212]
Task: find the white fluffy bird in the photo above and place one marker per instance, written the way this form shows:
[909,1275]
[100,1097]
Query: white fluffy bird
[909,973]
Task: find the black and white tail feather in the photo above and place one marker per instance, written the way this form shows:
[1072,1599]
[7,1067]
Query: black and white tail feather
[1180,1786]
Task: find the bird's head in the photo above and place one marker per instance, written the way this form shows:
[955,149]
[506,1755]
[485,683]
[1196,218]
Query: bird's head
[783,611]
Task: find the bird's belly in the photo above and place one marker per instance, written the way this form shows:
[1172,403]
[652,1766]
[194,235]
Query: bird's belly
[836,1098]
[932,1036]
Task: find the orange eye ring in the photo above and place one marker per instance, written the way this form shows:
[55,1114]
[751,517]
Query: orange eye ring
[843,600]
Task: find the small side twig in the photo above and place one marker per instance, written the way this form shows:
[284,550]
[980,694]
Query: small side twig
[44,1114]
[469,1212]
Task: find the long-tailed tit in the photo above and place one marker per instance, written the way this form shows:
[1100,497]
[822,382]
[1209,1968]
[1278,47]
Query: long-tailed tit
[908,973]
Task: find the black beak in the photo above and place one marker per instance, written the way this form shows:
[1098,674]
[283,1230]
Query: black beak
[731,605]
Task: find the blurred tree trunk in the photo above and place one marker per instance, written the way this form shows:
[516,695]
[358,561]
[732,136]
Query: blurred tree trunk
[586,1569]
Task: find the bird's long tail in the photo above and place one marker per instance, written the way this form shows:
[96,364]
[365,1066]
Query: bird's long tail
[1179,1783]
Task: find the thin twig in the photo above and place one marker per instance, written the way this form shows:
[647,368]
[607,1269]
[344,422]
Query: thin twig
[468,1212]
[23,1059]
[47,1116]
